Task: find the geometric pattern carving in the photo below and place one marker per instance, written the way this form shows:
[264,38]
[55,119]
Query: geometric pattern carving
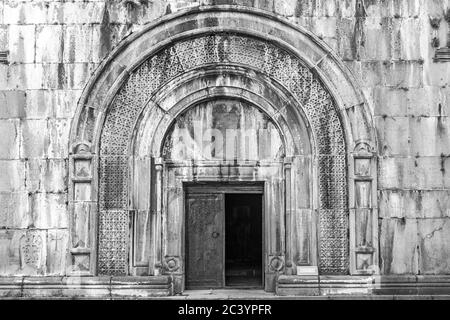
[260,56]
[113,242]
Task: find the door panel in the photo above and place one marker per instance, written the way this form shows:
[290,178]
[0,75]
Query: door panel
[204,241]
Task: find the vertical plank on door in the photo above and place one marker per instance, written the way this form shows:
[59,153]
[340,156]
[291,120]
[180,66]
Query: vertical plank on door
[204,241]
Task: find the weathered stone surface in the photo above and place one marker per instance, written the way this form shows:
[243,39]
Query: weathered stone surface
[57,252]
[413,136]
[413,204]
[9,143]
[79,43]
[21,40]
[3,34]
[414,173]
[55,46]
[39,12]
[46,175]
[49,210]
[13,104]
[434,237]
[13,175]
[59,130]
[35,76]
[34,145]
[43,104]
[14,210]
[49,43]
[390,73]
[399,246]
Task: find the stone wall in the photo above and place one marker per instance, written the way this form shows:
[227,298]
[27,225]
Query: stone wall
[54,46]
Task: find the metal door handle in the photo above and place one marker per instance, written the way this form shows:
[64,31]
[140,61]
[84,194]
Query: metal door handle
[215,235]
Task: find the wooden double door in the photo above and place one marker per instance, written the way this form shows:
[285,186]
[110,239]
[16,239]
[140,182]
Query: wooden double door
[224,238]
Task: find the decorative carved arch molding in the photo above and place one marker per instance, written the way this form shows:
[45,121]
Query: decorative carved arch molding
[307,80]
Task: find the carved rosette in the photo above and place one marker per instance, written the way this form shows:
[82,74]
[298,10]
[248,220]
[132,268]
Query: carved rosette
[172,264]
[276,263]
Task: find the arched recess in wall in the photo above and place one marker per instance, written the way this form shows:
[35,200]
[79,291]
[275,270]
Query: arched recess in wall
[243,53]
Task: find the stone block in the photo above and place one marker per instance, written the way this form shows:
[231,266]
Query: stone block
[389,101]
[430,136]
[57,252]
[10,287]
[407,38]
[12,173]
[325,27]
[49,43]
[174,5]
[23,252]
[317,9]
[38,104]
[46,76]
[107,38]
[82,214]
[297,285]
[10,141]
[413,136]
[445,170]
[43,287]
[400,9]
[437,74]
[81,12]
[377,39]
[413,204]
[65,102]
[405,74]
[344,36]
[79,43]
[21,43]
[393,135]
[434,238]
[23,76]
[141,287]
[14,211]
[3,35]
[53,12]
[59,130]
[70,76]
[398,246]
[49,210]
[12,104]
[400,74]
[413,173]
[35,145]
[77,287]
[4,76]
[46,175]
[24,12]
[427,101]
[42,104]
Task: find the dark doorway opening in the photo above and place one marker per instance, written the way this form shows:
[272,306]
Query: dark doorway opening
[243,240]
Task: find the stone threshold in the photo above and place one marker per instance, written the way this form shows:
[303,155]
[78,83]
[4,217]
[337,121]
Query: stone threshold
[389,286]
[288,287]
[85,287]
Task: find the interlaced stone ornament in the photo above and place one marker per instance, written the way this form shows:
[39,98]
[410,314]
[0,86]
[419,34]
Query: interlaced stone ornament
[222,49]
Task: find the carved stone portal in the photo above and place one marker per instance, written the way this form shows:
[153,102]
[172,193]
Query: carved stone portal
[325,186]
